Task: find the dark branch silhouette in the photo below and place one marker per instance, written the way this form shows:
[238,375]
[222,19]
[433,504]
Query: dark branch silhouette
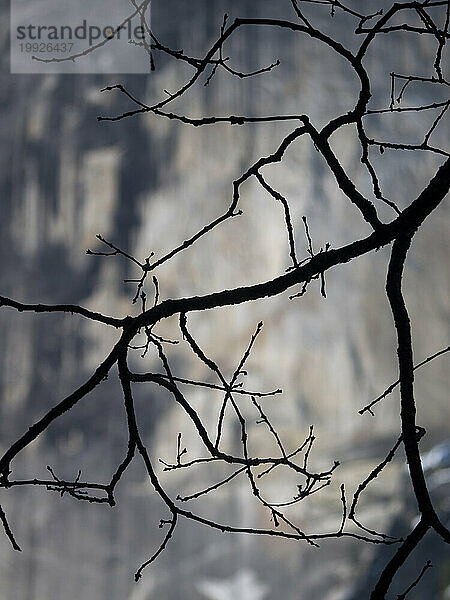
[398,232]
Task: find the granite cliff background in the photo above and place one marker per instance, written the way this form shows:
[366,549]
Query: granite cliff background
[146,184]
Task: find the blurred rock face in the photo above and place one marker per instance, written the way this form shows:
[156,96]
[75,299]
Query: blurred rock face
[148,184]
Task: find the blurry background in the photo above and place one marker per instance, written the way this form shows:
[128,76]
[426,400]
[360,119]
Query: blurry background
[146,184]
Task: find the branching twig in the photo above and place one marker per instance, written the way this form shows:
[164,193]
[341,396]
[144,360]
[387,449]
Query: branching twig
[425,568]
[388,390]
[399,232]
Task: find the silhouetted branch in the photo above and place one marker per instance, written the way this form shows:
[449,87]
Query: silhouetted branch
[61,308]
[400,249]
[362,486]
[396,562]
[8,531]
[392,387]
[427,566]
[399,232]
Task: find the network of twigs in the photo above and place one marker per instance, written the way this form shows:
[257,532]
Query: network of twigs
[398,232]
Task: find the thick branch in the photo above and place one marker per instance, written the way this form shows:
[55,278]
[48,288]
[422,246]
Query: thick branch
[62,308]
[385,580]
[64,406]
[411,218]
[406,376]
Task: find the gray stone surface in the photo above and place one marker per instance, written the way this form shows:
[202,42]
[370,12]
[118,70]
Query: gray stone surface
[147,184]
